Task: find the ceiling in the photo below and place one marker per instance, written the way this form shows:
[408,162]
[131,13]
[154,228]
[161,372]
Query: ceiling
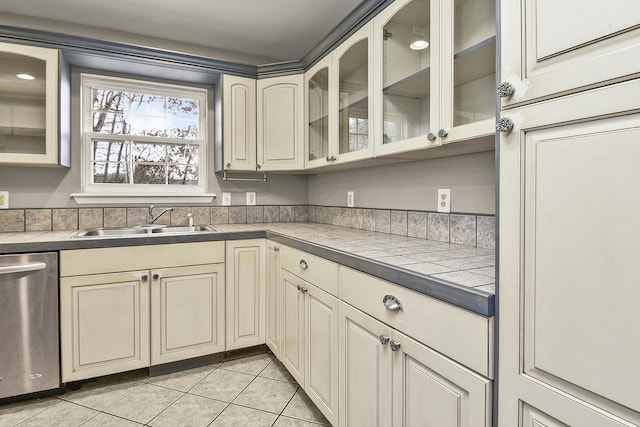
[281,30]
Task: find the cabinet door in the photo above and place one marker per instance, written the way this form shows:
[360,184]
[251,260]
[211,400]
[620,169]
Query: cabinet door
[568,260]
[365,367]
[104,324]
[431,390]
[246,293]
[281,123]
[546,50]
[31,108]
[292,350]
[239,123]
[353,62]
[274,302]
[319,137]
[187,314]
[321,350]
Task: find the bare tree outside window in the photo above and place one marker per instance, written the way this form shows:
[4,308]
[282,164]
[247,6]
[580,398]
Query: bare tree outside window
[162,138]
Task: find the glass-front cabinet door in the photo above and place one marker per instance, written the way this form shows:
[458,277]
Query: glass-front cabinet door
[29,106]
[353,61]
[436,62]
[317,115]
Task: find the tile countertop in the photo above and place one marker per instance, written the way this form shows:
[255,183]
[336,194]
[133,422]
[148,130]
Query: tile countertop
[458,274]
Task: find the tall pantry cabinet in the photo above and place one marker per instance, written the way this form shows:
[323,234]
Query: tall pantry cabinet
[569,200]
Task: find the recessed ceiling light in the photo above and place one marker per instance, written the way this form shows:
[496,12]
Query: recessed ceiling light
[25,76]
[419,45]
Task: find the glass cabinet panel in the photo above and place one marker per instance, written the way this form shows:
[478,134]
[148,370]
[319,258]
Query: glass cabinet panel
[474,52]
[354,101]
[22,104]
[318,99]
[406,72]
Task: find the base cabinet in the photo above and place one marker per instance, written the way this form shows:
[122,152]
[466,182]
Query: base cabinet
[389,379]
[104,324]
[187,316]
[310,341]
[246,293]
[119,313]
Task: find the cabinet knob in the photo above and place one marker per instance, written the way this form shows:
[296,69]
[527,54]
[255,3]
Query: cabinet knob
[258,166]
[442,133]
[155,276]
[395,345]
[276,249]
[331,158]
[228,165]
[144,278]
[392,303]
[431,136]
[504,125]
[505,89]
[303,264]
[384,340]
[301,289]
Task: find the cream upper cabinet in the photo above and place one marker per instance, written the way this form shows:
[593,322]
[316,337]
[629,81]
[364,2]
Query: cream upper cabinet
[551,47]
[568,260]
[280,126]
[238,130]
[246,293]
[339,104]
[34,107]
[435,76]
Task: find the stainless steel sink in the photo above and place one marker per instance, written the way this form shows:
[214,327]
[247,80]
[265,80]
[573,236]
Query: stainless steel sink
[135,231]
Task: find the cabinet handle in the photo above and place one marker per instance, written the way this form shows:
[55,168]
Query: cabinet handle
[155,276]
[303,264]
[395,345]
[431,137]
[301,289]
[505,89]
[144,278]
[504,125]
[229,165]
[384,340]
[442,133]
[392,303]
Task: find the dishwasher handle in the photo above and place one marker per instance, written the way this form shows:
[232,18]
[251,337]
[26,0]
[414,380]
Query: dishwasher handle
[23,268]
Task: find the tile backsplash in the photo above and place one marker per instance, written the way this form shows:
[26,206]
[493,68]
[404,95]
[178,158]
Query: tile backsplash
[464,229]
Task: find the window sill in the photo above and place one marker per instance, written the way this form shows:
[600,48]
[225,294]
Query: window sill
[122,199]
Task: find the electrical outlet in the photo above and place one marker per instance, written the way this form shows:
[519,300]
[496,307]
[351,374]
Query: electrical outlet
[444,200]
[251,198]
[350,199]
[226,199]
[4,200]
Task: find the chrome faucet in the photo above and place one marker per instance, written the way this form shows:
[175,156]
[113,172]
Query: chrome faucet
[151,219]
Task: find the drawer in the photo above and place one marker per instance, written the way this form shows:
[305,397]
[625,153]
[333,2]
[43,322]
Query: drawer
[315,270]
[105,260]
[462,335]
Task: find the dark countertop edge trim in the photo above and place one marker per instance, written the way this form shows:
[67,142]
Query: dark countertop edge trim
[479,302]
[461,296]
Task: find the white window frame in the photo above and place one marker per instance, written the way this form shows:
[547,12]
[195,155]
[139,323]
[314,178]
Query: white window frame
[139,193]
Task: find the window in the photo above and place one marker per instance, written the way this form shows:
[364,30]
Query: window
[142,139]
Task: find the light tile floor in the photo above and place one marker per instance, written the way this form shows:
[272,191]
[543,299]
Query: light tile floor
[253,391]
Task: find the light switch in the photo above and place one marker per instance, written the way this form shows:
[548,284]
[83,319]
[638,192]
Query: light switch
[4,200]
[226,199]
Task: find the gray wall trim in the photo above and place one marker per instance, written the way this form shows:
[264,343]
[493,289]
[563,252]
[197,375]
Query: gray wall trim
[86,52]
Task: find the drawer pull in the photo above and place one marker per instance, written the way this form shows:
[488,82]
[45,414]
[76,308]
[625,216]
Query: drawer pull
[303,264]
[144,278]
[395,345]
[384,340]
[392,303]
[301,289]
[155,276]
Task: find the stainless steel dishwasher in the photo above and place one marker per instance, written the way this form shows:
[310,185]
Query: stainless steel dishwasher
[29,348]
